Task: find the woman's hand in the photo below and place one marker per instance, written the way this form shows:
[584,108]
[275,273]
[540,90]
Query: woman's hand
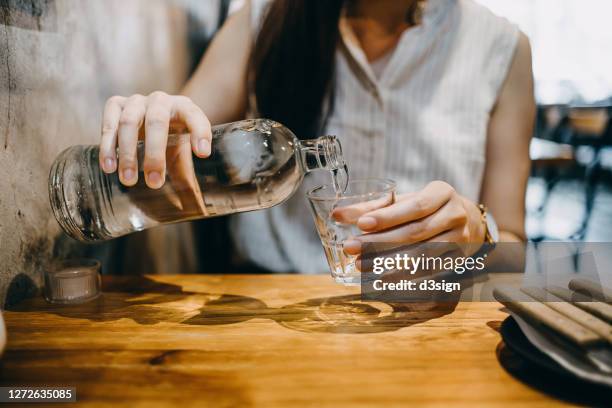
[152,117]
[435,214]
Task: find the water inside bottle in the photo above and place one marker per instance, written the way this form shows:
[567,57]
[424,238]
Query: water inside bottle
[253,166]
[248,170]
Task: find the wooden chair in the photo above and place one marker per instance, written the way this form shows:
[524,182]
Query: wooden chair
[560,133]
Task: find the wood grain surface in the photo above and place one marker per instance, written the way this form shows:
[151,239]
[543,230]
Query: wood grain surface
[260,340]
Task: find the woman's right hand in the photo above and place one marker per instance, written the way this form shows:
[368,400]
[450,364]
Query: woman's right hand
[152,118]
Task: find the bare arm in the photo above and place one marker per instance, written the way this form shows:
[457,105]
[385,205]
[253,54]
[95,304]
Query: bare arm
[215,94]
[219,85]
[507,157]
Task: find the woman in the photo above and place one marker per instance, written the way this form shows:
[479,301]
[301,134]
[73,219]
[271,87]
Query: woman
[436,95]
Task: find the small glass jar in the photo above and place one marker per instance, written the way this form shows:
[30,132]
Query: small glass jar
[73,281]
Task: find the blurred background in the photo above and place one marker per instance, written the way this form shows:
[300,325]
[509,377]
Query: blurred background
[61,59]
[570,194]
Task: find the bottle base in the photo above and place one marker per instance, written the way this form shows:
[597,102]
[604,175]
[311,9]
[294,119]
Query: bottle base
[62,200]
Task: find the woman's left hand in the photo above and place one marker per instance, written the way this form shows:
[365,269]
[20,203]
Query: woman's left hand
[435,214]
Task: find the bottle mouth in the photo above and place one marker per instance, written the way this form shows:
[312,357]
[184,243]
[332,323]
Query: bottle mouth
[331,150]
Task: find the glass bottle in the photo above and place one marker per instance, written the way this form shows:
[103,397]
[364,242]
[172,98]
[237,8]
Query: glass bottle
[254,164]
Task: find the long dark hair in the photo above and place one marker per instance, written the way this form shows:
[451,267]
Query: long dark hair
[293,63]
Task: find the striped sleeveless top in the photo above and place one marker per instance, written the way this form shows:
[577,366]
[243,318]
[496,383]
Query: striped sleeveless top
[423,118]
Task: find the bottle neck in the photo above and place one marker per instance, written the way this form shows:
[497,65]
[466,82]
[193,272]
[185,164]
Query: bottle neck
[324,153]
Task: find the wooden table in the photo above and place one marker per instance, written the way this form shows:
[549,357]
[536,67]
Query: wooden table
[263,340]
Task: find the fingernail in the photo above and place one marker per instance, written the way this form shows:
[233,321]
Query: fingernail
[203,147]
[155,179]
[128,174]
[366,223]
[109,164]
[345,215]
[351,246]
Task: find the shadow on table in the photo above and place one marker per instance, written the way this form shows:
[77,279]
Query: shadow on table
[338,314]
[140,299]
[550,383]
[348,314]
[545,380]
[147,302]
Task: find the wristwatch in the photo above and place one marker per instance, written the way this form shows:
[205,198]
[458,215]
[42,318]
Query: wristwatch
[491,230]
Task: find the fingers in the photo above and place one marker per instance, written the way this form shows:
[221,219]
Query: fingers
[408,208]
[184,180]
[451,216]
[108,142]
[448,237]
[130,121]
[123,122]
[458,240]
[351,213]
[157,125]
[197,124]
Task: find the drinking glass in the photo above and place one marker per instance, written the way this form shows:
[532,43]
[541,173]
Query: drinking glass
[336,214]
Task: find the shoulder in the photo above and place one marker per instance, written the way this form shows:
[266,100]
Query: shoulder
[486,48]
[523,50]
[477,12]
[485,27]
[490,40]
[519,79]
